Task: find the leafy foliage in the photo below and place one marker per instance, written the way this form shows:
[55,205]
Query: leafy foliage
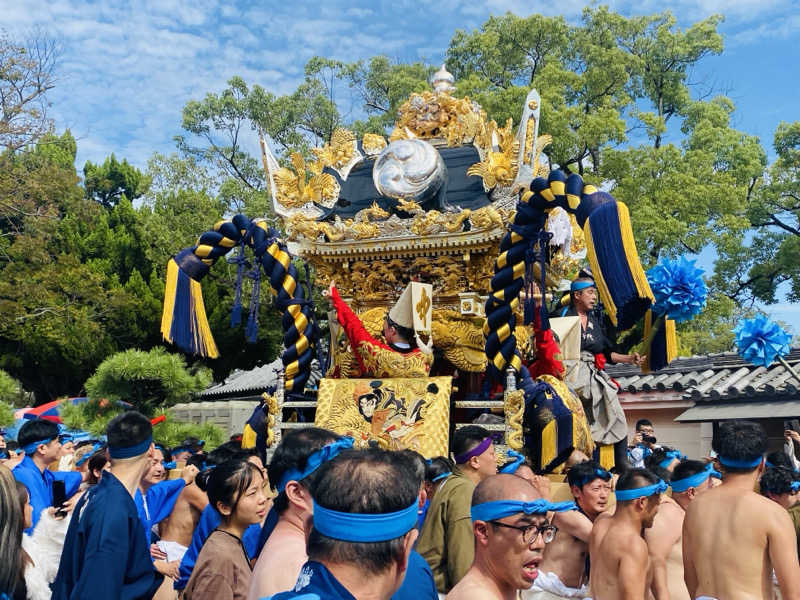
[93,416]
[10,390]
[6,414]
[110,182]
[146,379]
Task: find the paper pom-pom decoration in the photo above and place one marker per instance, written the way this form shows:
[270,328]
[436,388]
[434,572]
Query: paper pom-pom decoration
[679,289]
[760,341]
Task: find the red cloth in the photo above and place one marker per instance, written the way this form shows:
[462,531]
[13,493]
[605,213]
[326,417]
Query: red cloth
[600,361]
[547,350]
[375,358]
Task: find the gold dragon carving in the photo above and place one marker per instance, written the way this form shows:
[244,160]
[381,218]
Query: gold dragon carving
[339,151]
[373,144]
[499,167]
[295,188]
[514,409]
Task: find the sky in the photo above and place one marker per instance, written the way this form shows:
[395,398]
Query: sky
[128,67]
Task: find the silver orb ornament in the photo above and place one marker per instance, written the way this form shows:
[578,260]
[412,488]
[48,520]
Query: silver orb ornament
[409,170]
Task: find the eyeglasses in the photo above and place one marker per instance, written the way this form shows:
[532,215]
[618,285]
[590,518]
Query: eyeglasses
[531,532]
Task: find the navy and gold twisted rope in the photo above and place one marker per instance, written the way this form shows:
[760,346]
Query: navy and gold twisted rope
[620,280]
[184,320]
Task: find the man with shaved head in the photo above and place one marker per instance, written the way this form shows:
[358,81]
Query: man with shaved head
[509,521]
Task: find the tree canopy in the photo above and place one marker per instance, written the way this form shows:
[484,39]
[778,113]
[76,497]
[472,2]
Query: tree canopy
[82,260]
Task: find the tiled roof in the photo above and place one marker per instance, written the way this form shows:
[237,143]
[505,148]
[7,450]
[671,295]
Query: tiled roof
[713,377]
[251,383]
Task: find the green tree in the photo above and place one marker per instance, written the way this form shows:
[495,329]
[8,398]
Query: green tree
[10,390]
[756,270]
[6,414]
[146,379]
[112,181]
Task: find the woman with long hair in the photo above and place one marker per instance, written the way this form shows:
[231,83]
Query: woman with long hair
[13,558]
[223,570]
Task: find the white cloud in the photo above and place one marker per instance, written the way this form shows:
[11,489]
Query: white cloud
[130,66]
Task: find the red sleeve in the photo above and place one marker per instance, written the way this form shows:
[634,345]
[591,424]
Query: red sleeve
[547,350]
[353,326]
[375,358]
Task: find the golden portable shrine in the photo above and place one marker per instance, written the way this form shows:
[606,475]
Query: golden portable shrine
[445,229]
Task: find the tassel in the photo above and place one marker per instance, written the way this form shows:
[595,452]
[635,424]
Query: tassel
[241,264]
[184,321]
[170,290]
[251,332]
[618,274]
[661,345]
[604,454]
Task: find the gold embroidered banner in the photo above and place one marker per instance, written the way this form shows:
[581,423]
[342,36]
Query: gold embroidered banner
[397,413]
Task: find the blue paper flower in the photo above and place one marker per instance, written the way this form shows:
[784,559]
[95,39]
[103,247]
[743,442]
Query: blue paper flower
[679,289]
[760,340]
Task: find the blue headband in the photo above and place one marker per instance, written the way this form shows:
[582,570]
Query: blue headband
[577,286]
[681,485]
[669,457]
[642,492]
[315,461]
[739,464]
[489,511]
[441,476]
[88,455]
[131,451]
[365,527]
[33,446]
[512,467]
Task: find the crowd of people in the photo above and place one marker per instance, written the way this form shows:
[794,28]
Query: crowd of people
[325,520]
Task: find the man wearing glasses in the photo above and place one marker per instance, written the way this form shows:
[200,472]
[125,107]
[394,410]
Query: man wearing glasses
[509,520]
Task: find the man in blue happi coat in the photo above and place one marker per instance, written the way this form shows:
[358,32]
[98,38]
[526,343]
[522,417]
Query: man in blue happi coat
[363,531]
[105,552]
[39,439]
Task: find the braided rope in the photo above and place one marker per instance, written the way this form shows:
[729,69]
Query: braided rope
[299,327]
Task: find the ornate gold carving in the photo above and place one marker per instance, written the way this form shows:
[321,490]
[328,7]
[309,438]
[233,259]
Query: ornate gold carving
[272,410]
[514,409]
[374,212]
[499,166]
[293,189]
[438,115]
[373,144]
[487,217]
[409,206]
[540,169]
[339,151]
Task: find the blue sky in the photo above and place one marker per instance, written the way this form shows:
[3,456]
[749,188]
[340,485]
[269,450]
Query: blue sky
[129,67]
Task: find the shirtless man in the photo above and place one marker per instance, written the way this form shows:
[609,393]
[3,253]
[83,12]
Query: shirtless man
[563,570]
[177,529]
[664,538]
[292,471]
[732,537]
[617,550]
[509,520]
